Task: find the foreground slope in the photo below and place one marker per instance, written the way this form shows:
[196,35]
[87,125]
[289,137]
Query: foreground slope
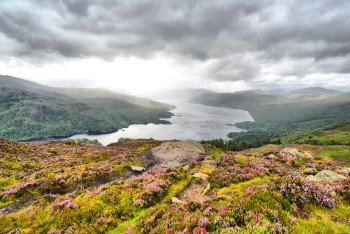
[68,187]
[29,110]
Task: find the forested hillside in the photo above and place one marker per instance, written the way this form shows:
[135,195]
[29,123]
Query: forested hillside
[287,115]
[30,111]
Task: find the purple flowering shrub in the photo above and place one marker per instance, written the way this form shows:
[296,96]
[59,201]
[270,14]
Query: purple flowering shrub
[300,191]
[225,160]
[231,171]
[55,166]
[98,209]
[265,211]
[343,189]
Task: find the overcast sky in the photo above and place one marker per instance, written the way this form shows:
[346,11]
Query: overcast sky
[144,45]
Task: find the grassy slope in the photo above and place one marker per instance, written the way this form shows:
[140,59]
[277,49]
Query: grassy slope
[29,110]
[90,217]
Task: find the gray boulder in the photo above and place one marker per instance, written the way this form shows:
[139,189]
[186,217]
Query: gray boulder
[329,176]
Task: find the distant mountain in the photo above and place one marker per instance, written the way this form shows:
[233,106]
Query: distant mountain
[241,100]
[179,94]
[312,93]
[283,115]
[254,98]
[29,110]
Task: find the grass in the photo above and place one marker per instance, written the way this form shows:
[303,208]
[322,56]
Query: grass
[321,221]
[238,188]
[174,189]
[126,224]
[334,152]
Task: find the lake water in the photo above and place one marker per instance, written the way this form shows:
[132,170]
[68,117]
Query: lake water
[190,121]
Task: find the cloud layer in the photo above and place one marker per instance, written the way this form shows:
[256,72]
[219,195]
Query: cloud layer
[251,41]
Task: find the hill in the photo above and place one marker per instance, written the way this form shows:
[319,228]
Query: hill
[31,111]
[254,98]
[283,115]
[67,186]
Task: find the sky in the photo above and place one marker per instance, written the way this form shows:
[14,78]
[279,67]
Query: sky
[141,46]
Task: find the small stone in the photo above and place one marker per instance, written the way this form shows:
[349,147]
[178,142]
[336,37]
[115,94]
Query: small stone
[308,155]
[200,175]
[176,200]
[186,168]
[137,168]
[345,170]
[210,164]
[310,171]
[271,156]
[206,189]
[330,176]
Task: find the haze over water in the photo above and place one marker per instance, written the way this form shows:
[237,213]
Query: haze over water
[190,121]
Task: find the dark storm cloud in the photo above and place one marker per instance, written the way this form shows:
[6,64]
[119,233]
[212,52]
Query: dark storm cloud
[240,37]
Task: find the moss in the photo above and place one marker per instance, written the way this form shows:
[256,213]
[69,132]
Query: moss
[238,188]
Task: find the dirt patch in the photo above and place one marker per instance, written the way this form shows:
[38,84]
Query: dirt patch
[16,205]
[193,192]
[148,159]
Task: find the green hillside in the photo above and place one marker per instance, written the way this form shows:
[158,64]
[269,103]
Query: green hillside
[30,111]
[284,115]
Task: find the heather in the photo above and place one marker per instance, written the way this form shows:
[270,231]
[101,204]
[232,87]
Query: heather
[97,209]
[74,187]
[29,169]
[230,171]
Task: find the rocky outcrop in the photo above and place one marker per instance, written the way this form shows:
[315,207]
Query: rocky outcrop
[294,152]
[329,176]
[176,152]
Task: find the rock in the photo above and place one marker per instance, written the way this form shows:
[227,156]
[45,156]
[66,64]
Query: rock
[271,156]
[200,175]
[313,178]
[206,189]
[176,200]
[308,155]
[310,171]
[137,168]
[296,152]
[291,151]
[178,151]
[329,176]
[210,164]
[345,170]
[186,168]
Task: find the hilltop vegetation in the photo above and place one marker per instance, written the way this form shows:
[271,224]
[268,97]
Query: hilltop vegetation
[31,111]
[283,115]
[68,187]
